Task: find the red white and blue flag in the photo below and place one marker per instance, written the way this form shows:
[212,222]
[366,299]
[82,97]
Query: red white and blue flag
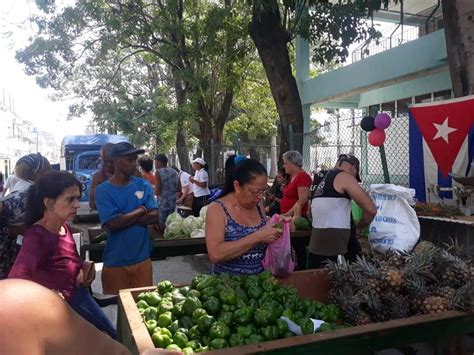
[441,143]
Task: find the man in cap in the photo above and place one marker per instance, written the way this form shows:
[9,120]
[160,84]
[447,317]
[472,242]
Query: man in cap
[331,211]
[126,205]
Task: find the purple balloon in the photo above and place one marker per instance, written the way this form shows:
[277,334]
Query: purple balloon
[382,120]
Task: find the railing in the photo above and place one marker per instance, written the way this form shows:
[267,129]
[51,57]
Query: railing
[385,43]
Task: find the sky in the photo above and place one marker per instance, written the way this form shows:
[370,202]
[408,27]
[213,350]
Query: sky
[32,103]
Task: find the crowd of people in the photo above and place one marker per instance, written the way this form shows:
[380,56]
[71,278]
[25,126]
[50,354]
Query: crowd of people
[36,242]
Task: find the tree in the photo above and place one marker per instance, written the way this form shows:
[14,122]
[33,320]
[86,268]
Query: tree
[330,27]
[458,18]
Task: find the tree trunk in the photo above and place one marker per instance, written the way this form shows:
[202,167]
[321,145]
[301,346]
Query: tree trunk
[271,40]
[458,18]
[181,146]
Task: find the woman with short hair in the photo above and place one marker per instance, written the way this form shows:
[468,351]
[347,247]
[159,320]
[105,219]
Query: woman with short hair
[296,192]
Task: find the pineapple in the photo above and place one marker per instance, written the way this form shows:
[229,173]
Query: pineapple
[374,286]
[397,306]
[434,304]
[392,278]
[417,292]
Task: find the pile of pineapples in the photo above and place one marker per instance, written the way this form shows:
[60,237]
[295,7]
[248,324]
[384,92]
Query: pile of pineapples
[381,287]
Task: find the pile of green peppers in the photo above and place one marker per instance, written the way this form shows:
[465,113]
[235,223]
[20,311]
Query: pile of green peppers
[217,312]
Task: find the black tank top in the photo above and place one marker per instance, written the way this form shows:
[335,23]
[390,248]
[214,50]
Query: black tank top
[326,187]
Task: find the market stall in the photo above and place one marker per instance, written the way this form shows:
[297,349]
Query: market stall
[312,284]
[163,248]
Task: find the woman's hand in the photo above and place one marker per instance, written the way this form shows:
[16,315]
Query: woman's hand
[191,179]
[80,278]
[269,234]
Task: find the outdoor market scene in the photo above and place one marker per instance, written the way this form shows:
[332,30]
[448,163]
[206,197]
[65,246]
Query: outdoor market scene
[237,177]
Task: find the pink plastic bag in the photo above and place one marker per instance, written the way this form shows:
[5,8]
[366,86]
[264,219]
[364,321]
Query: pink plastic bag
[278,255]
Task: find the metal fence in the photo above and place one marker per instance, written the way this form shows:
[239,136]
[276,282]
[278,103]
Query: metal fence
[266,154]
[341,133]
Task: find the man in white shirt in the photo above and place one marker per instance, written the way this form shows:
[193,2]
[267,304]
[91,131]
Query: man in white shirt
[200,185]
[185,195]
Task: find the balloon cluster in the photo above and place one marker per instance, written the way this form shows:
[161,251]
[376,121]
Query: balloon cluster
[376,126]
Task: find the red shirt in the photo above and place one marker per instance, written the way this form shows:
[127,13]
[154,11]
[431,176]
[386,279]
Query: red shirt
[48,259]
[290,193]
[150,177]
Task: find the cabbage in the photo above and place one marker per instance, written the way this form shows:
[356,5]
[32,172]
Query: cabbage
[201,222]
[174,217]
[197,233]
[173,230]
[189,224]
[202,212]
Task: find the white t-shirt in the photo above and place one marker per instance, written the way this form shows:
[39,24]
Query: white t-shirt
[184,179]
[201,176]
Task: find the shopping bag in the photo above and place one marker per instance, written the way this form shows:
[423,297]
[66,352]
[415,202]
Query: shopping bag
[278,255]
[396,225]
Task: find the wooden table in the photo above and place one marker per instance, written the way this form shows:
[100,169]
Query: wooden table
[163,248]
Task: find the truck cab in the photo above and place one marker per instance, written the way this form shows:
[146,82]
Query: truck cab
[80,155]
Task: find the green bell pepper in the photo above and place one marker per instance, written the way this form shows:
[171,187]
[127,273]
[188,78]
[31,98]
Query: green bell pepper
[184,290]
[236,340]
[164,319]
[254,339]
[152,298]
[205,340]
[306,325]
[150,313]
[165,306]
[288,313]
[270,332]
[142,304]
[325,327]
[198,313]
[269,284]
[245,331]
[331,313]
[164,287]
[255,292]
[178,297]
[206,281]
[151,325]
[240,293]
[218,343]
[226,318]
[182,330]
[186,322]
[173,347]
[193,344]
[194,293]
[141,296]
[194,333]
[262,316]
[164,331]
[203,349]
[205,322]
[180,339]
[141,311]
[167,296]
[174,326]
[161,340]
[265,275]
[178,310]
[282,327]
[212,305]
[209,292]
[289,334]
[228,296]
[190,304]
[187,351]
[196,279]
[243,315]
[219,330]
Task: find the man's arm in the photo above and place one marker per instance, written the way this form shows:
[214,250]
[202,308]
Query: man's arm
[151,217]
[350,185]
[126,220]
[94,182]
[158,183]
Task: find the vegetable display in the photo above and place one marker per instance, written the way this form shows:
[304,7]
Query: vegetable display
[217,312]
[189,227]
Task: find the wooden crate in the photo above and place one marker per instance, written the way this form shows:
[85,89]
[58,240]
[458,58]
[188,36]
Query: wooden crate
[314,284]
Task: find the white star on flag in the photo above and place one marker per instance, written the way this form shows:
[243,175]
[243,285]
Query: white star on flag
[443,130]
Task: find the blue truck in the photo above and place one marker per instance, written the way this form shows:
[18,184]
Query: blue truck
[80,155]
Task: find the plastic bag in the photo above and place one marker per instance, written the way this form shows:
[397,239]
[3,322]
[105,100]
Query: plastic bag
[396,225]
[278,255]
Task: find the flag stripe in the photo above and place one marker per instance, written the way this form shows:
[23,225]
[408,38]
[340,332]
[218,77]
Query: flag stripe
[417,179]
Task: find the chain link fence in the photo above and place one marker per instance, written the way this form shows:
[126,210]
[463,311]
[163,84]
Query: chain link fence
[265,154]
[341,133]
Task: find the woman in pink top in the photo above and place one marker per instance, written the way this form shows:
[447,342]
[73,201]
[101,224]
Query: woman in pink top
[296,192]
[48,254]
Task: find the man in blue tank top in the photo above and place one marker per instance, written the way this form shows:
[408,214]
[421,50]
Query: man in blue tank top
[331,211]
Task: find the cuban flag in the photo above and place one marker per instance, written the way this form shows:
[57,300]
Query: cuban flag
[441,138]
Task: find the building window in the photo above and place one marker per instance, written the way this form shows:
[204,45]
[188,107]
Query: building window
[442,95]
[402,106]
[389,107]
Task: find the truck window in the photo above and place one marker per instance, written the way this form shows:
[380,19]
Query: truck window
[89,162]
